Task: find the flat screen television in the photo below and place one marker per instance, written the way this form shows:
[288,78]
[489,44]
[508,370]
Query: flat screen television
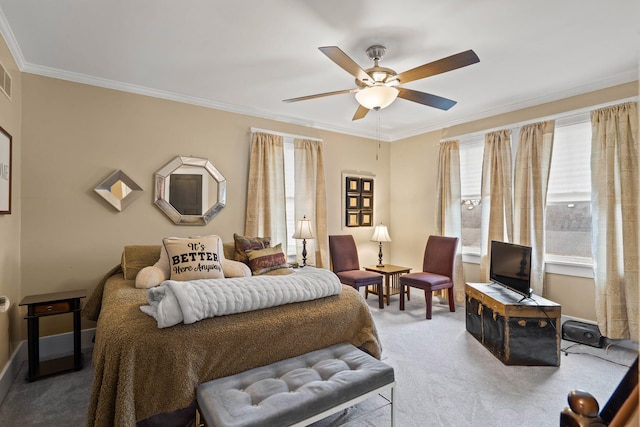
[511,266]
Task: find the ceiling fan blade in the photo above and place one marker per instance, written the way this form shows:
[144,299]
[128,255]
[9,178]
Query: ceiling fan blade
[345,62]
[425,98]
[360,113]
[443,65]
[320,95]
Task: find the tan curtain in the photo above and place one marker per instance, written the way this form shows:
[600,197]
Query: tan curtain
[614,209]
[311,198]
[448,214]
[496,194]
[265,215]
[530,182]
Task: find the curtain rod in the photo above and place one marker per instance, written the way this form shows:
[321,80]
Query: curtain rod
[567,115]
[285,135]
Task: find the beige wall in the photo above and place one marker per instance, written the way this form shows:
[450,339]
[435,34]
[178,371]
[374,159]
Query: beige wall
[413,190]
[75,135]
[413,174]
[10,116]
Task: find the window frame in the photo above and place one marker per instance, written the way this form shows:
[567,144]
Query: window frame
[555,264]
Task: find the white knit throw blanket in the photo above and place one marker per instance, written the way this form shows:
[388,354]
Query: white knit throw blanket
[174,302]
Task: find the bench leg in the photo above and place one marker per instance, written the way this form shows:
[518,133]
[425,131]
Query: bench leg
[393,414]
[199,421]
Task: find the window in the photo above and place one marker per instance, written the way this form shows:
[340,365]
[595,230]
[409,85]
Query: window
[470,181]
[568,218]
[568,212]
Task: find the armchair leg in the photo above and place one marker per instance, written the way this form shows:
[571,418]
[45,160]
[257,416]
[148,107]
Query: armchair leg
[380,296]
[402,290]
[428,298]
[452,304]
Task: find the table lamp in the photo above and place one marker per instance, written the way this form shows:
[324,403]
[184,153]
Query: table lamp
[304,232]
[380,234]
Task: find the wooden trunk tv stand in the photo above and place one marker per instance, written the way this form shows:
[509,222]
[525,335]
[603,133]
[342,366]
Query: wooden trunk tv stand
[516,331]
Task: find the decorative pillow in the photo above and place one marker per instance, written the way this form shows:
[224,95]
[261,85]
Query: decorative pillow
[150,276]
[233,268]
[163,262]
[229,249]
[195,257]
[264,260]
[243,244]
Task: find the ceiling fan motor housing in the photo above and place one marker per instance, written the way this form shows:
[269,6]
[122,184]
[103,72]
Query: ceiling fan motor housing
[379,75]
[376,52]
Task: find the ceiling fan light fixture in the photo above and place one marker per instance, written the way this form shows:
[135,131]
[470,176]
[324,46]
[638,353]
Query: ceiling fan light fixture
[376,97]
[379,76]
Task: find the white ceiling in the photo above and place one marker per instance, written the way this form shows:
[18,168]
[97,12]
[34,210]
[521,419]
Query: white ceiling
[246,56]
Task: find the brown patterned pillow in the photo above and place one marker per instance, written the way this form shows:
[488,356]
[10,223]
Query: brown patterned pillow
[244,244]
[265,260]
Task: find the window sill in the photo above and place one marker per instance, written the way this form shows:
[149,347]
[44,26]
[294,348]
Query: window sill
[566,266]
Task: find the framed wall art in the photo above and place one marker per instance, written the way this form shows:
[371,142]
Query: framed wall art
[5,171]
[366,218]
[357,196]
[118,189]
[366,186]
[352,219]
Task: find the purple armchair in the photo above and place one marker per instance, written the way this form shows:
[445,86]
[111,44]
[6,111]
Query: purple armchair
[344,262]
[437,271]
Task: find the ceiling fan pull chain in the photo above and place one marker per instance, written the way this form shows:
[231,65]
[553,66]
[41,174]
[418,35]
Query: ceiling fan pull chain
[378,135]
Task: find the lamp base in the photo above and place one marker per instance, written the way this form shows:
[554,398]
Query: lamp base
[380,264]
[304,253]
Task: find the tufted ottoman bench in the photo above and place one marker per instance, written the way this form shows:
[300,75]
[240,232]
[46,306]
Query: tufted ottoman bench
[296,391]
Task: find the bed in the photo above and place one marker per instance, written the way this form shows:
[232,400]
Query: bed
[141,371]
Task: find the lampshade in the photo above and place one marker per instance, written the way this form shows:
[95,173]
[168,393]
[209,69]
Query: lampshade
[303,229]
[380,234]
[376,97]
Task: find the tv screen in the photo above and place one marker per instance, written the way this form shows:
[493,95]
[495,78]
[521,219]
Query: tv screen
[511,266]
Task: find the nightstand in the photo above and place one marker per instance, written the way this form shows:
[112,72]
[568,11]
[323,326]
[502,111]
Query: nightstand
[49,305]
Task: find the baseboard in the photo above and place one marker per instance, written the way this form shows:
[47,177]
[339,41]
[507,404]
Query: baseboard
[54,346]
[10,371]
[51,347]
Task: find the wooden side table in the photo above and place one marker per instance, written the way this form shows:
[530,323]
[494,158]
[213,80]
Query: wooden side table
[48,305]
[391,283]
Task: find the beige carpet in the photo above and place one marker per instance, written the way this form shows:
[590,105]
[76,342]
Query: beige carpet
[444,378]
[447,378]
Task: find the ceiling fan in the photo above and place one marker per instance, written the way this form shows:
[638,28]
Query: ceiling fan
[378,86]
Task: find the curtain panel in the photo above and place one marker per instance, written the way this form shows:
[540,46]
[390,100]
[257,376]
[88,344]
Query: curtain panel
[530,182]
[614,208]
[311,197]
[265,214]
[448,213]
[496,195]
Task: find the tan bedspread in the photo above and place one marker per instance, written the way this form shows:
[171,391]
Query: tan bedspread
[141,370]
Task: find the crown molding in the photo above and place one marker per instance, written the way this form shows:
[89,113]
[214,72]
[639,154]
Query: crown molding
[12,43]
[622,78]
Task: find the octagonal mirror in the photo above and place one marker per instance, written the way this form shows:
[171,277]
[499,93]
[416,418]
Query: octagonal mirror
[190,190]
